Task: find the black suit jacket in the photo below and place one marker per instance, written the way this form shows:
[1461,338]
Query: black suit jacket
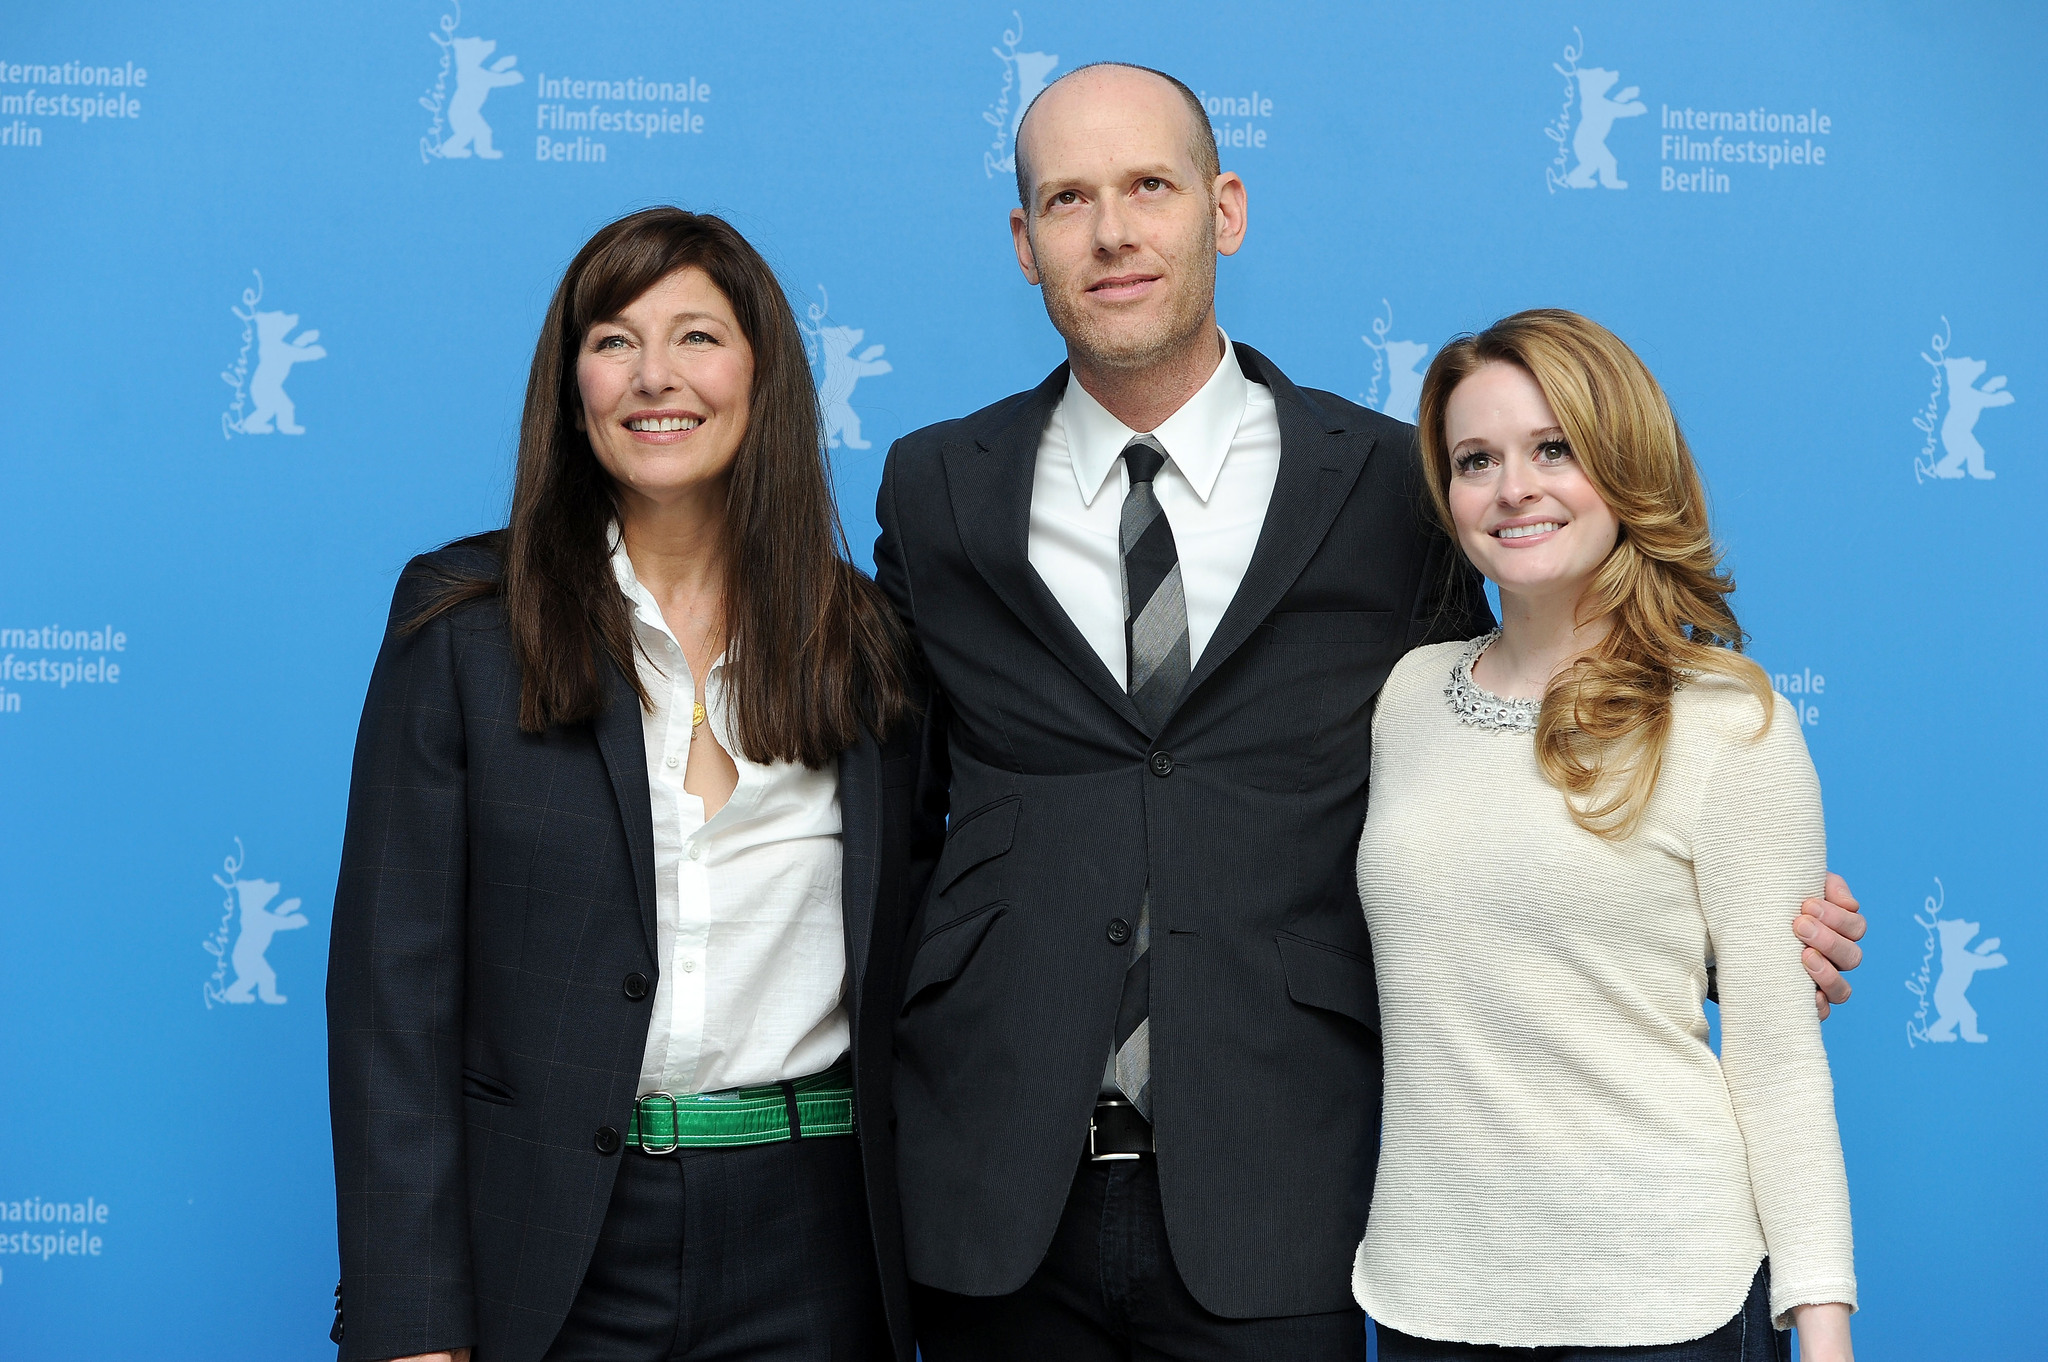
[1243,812]
[492,978]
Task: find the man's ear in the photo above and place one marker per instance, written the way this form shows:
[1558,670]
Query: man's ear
[1230,213]
[1020,237]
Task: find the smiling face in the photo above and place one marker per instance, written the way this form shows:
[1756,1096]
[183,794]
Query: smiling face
[1527,515]
[665,388]
[1122,227]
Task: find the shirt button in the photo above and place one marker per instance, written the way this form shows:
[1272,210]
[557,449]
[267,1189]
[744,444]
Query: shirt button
[696,851]
[689,966]
[1162,763]
[1119,931]
[672,761]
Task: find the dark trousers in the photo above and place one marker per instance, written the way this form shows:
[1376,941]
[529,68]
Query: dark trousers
[758,1252]
[1748,1337]
[1108,1291]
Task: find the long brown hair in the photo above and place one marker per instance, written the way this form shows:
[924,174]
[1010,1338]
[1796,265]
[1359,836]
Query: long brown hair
[1605,720]
[815,651]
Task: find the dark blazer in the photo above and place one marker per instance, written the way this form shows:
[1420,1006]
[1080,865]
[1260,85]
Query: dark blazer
[1243,812]
[492,977]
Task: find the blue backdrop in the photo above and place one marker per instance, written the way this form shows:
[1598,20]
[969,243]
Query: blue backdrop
[272,275]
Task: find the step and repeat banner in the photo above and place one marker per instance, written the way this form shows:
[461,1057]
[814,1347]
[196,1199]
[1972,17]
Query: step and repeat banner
[272,277]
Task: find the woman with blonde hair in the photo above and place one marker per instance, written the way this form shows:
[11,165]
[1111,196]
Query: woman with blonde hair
[1567,1166]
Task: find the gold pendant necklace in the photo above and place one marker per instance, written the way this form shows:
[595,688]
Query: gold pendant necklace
[696,716]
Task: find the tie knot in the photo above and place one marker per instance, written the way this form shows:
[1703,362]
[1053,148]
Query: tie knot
[1144,458]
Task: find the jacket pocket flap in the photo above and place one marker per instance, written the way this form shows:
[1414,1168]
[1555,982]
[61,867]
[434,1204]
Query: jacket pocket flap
[484,1088]
[1331,979]
[946,952]
[983,837]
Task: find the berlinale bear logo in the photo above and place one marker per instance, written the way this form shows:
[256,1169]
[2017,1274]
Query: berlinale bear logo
[1586,87]
[275,357]
[1955,429]
[269,333]
[1024,75]
[1942,983]
[1959,965]
[248,919]
[254,977]
[840,369]
[1398,365]
[1966,402]
[458,130]
[1404,381]
[1596,118]
[473,85]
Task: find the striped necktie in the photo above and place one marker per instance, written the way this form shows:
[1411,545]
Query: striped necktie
[1155,607]
[1156,653]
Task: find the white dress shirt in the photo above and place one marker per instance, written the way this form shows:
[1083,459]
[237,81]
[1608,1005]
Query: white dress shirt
[746,904]
[1222,459]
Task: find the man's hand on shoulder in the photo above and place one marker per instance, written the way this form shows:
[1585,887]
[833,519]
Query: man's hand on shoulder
[1830,927]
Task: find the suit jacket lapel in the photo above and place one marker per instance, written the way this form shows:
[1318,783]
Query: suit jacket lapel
[860,814]
[621,741]
[1318,467]
[988,475]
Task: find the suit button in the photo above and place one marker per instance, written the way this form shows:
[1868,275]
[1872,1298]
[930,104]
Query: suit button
[1162,763]
[1119,931]
[636,986]
[607,1141]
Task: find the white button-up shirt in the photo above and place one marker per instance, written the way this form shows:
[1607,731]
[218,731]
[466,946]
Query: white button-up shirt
[747,910]
[1222,459]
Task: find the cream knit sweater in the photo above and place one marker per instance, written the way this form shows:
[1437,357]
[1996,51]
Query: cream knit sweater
[1565,1161]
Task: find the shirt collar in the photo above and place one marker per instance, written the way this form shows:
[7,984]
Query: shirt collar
[646,609]
[1197,437]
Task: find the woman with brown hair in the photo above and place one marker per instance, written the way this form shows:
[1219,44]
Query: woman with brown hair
[1616,792]
[638,822]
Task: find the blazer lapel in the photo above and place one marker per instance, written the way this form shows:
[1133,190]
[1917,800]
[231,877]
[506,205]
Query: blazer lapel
[988,476]
[1319,465]
[622,742]
[860,815]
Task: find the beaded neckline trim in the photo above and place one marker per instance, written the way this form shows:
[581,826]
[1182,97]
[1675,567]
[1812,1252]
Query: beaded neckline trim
[1475,705]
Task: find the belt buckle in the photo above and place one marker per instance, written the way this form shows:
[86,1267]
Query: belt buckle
[674,1124]
[1094,1157]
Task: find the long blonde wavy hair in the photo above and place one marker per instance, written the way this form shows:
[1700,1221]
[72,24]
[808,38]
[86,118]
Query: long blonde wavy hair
[1606,719]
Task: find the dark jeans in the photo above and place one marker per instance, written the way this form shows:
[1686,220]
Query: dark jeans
[1748,1337]
[758,1252]
[1108,1292]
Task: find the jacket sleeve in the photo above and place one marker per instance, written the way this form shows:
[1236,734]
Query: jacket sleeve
[395,1002]
[934,777]
[891,573]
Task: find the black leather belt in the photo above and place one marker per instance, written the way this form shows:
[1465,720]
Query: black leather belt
[1117,1131]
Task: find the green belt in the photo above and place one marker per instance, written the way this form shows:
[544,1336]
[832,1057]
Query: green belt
[821,1104]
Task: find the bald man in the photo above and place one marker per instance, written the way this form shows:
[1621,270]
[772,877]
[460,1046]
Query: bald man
[1138,1083]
